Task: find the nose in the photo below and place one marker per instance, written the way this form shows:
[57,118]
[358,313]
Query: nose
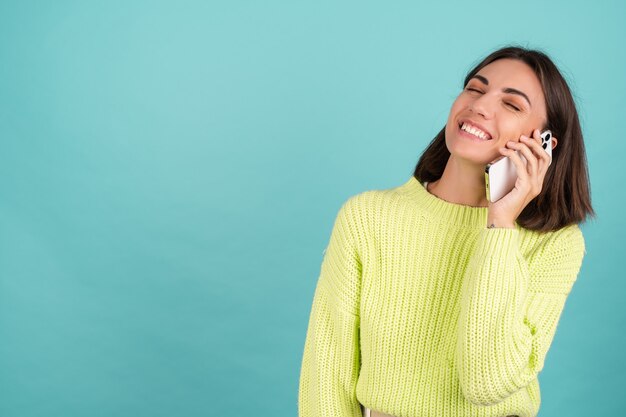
[482,105]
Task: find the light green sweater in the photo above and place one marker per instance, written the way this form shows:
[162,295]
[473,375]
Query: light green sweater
[420,310]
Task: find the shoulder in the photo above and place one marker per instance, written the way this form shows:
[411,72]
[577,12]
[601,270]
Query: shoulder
[368,206]
[363,213]
[554,258]
[377,198]
[566,238]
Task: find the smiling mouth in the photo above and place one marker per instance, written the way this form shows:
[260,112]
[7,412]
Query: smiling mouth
[474,132]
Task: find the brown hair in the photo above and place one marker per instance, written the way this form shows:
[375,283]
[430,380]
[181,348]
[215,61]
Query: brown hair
[565,196]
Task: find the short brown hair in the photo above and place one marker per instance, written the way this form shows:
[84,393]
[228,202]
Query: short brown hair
[565,196]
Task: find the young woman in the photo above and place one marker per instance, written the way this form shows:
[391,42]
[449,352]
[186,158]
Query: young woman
[433,301]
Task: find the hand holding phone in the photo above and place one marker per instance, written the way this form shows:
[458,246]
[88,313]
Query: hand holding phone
[501,175]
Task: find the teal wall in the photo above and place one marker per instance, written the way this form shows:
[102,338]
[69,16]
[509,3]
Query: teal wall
[170,173]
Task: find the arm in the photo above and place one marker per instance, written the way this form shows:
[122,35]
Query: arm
[510,307]
[331,359]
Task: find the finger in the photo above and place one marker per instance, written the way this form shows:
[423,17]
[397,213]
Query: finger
[532,165]
[535,145]
[517,161]
[543,161]
[543,155]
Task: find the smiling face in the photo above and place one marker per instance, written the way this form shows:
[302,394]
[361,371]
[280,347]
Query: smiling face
[501,102]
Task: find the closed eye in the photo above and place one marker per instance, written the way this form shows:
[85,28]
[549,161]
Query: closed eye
[511,105]
[514,107]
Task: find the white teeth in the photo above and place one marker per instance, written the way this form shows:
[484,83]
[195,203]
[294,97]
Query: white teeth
[476,132]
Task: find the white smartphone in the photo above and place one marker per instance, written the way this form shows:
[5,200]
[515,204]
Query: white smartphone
[500,176]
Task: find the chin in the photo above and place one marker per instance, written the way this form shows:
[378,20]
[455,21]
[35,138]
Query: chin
[462,150]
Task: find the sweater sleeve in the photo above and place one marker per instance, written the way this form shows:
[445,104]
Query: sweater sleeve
[331,359]
[510,307]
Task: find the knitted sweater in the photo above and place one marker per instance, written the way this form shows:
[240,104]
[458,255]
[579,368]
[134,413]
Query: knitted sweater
[420,310]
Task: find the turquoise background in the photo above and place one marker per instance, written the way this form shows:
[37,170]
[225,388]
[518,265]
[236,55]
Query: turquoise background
[170,173]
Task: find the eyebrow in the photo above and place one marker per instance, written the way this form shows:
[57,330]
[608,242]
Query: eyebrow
[507,90]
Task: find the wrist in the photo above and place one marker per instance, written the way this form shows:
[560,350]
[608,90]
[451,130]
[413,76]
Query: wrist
[495,223]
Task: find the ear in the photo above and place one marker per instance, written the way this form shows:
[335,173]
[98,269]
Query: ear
[554,142]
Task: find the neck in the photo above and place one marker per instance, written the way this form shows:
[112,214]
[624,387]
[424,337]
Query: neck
[461,183]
